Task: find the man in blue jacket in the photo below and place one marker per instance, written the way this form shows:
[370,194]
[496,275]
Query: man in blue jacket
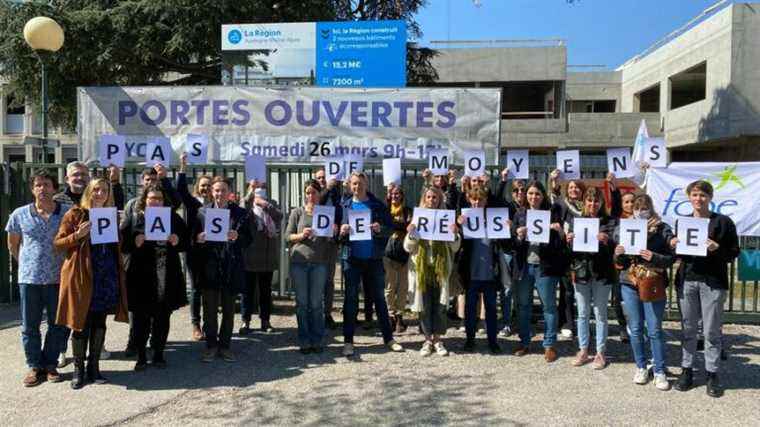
[363,261]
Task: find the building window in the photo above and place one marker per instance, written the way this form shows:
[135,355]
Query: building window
[688,87]
[648,100]
[599,106]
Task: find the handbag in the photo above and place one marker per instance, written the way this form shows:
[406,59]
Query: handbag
[394,250]
[650,282]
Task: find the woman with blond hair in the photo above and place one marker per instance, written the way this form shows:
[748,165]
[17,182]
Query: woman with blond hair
[92,282]
[430,268]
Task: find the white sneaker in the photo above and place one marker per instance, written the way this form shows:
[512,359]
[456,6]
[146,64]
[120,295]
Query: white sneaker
[394,346]
[105,354]
[566,333]
[348,350]
[440,349]
[507,331]
[661,382]
[481,331]
[462,329]
[427,349]
[641,377]
[63,361]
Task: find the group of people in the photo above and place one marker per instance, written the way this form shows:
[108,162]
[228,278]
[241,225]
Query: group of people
[78,283]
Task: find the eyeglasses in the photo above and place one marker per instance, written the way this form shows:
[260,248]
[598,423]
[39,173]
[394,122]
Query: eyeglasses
[518,190]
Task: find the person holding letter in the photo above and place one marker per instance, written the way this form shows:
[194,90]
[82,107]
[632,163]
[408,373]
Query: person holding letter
[363,262]
[538,265]
[309,258]
[396,258]
[592,274]
[223,271]
[653,261]
[479,270]
[199,198]
[702,283]
[155,281]
[91,283]
[429,272]
[331,194]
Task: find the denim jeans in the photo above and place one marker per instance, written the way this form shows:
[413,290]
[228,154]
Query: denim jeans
[371,273]
[35,299]
[506,289]
[547,291]
[488,288]
[309,279]
[598,292]
[652,313]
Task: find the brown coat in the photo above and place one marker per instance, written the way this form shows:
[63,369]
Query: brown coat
[76,274]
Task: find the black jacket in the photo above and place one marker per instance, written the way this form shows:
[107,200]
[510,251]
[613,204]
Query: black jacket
[379,214]
[713,269]
[142,281]
[555,257]
[598,265]
[221,264]
[657,242]
[465,257]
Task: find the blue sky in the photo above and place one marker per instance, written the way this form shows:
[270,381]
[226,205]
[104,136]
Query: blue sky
[605,32]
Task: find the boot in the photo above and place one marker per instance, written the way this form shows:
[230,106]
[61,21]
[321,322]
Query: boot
[713,385]
[79,348]
[685,380]
[400,325]
[97,339]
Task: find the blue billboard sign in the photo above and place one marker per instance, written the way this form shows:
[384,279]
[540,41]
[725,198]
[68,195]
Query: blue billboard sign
[361,54]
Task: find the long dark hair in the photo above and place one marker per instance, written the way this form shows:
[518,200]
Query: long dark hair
[545,203]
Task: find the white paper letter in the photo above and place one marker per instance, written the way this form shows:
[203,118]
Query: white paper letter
[158,223]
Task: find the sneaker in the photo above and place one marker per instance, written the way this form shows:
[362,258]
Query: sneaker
[227,355]
[599,361]
[208,355]
[507,331]
[52,375]
[661,382]
[641,376]
[581,358]
[266,327]
[394,346]
[34,377]
[427,349]
[566,333]
[63,361]
[440,349]
[481,331]
[348,350]
[462,329]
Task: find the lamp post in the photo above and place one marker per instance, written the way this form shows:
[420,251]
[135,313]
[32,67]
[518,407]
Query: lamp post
[43,34]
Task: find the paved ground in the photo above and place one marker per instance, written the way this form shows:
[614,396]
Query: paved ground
[273,384]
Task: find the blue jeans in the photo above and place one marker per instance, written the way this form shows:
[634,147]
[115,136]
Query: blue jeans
[639,312]
[309,279]
[547,291]
[505,291]
[35,299]
[471,300]
[371,273]
[598,292]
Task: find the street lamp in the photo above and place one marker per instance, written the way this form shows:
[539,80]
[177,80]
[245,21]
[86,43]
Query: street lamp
[43,34]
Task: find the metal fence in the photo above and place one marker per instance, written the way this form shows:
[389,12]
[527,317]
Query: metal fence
[285,185]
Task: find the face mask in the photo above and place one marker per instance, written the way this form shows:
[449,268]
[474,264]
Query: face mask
[642,214]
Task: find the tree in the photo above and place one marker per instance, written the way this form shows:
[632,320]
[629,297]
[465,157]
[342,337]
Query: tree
[149,42]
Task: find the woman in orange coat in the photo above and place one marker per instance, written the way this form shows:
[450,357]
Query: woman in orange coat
[92,283]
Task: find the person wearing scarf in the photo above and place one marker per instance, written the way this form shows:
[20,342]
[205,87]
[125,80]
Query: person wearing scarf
[262,257]
[592,275]
[396,259]
[430,268]
[657,256]
[570,205]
